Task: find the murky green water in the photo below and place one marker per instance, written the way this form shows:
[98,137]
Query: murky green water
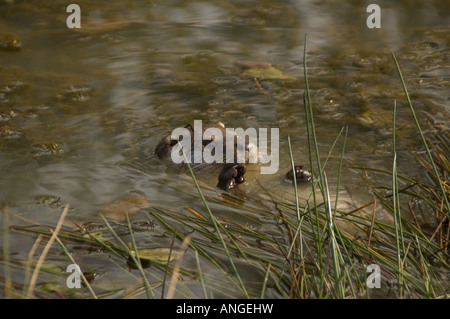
[78,108]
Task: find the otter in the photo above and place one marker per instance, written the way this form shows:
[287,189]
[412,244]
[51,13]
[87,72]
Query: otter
[231,174]
[300,174]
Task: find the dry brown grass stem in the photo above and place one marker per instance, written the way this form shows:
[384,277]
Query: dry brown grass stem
[176,270]
[45,251]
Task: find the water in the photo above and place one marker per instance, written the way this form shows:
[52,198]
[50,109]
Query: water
[78,108]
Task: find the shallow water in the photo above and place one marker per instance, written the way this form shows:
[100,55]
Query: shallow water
[78,108]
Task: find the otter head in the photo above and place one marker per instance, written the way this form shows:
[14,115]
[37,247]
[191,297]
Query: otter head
[231,175]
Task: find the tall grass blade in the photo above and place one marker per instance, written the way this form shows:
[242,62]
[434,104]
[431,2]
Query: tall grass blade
[396,206]
[430,157]
[397,223]
[133,256]
[215,224]
[167,266]
[335,253]
[295,178]
[200,275]
[266,278]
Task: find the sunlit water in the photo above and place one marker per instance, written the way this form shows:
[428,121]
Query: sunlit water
[79,109]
